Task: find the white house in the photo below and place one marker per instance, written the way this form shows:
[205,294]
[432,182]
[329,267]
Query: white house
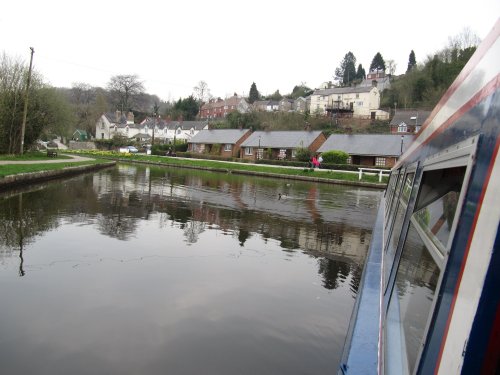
[362,102]
[165,131]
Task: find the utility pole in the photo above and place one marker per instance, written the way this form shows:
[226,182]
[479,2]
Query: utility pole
[25,112]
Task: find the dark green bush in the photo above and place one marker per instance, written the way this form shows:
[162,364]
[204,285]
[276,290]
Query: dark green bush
[335,157]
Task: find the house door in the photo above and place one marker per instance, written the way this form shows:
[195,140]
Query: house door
[356,159]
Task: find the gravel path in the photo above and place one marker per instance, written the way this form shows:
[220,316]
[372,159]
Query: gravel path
[74,158]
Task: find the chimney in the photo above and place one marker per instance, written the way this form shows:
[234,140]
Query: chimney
[130,118]
[118,116]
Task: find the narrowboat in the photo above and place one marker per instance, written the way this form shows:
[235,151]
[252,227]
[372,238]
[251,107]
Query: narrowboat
[428,302]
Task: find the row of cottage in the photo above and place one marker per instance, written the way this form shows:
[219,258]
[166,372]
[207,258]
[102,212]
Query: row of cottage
[368,149]
[361,101]
[381,150]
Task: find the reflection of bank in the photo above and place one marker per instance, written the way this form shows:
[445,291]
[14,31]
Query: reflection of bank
[312,196]
[21,235]
[337,239]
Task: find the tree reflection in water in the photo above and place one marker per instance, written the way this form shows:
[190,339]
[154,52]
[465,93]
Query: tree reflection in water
[188,271]
[325,221]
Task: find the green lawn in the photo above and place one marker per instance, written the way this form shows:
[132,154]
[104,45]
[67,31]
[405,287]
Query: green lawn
[228,166]
[11,169]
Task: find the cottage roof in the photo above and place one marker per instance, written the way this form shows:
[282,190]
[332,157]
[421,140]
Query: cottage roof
[111,117]
[412,117]
[367,144]
[172,125]
[223,136]
[281,139]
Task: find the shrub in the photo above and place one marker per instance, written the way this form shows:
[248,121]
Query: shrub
[303,154]
[335,157]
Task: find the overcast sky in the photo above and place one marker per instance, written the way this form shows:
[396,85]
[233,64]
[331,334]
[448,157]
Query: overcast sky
[172,46]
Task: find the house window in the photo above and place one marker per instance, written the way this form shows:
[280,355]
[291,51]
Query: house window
[402,128]
[102,124]
[248,151]
[227,147]
[380,162]
[357,96]
[102,135]
[349,160]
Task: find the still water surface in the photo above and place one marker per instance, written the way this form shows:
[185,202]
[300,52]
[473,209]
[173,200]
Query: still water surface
[145,270]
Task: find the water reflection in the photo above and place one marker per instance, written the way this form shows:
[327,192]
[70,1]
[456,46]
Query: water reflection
[263,269]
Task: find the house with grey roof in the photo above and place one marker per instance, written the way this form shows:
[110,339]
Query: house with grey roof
[223,142]
[357,102]
[286,104]
[108,123]
[408,121]
[163,131]
[280,144]
[381,150]
[300,105]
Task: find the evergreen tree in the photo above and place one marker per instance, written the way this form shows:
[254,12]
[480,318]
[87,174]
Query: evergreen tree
[378,63]
[411,62]
[186,109]
[360,74]
[346,72]
[254,93]
[276,96]
[299,91]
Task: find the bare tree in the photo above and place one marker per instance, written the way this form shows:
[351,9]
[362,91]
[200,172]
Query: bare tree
[391,67]
[465,39]
[124,88]
[202,92]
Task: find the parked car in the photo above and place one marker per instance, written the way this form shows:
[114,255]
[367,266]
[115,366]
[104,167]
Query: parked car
[128,149]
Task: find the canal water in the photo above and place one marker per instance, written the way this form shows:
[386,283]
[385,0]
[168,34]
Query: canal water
[150,270]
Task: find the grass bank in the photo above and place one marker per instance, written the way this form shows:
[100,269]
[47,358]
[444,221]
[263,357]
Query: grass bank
[236,167]
[13,169]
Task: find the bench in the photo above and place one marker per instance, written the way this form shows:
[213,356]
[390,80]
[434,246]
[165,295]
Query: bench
[52,152]
[379,171]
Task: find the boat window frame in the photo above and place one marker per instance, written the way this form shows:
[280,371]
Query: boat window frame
[409,205]
[394,198]
[461,154]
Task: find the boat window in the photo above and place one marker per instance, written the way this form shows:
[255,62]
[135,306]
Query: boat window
[410,305]
[422,260]
[408,184]
[395,234]
[390,186]
[394,197]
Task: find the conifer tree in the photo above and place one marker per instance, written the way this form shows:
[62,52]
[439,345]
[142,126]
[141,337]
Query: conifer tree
[346,72]
[411,61]
[378,63]
[360,74]
[254,93]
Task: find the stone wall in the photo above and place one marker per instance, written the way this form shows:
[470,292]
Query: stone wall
[73,145]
